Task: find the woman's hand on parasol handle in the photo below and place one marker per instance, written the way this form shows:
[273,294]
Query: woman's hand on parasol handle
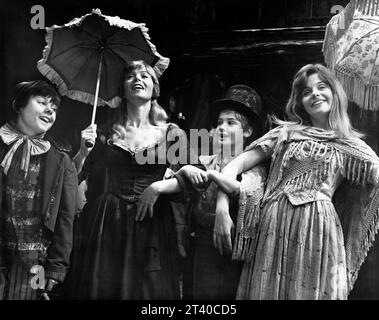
[89,144]
[88,138]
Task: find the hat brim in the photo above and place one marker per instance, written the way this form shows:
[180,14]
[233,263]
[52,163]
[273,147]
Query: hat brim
[228,104]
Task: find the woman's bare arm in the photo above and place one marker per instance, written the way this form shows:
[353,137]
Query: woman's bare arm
[244,162]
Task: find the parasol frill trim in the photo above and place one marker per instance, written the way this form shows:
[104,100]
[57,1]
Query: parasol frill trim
[42,65]
[367,97]
[367,7]
[162,63]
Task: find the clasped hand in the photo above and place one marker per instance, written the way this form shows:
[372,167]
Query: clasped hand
[198,178]
[147,200]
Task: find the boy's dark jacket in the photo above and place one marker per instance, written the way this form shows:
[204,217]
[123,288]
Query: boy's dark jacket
[59,207]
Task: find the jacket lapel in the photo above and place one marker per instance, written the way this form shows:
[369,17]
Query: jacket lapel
[52,166]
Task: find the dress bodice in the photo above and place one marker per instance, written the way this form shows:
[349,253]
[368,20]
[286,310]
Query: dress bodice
[130,172]
[128,177]
[308,164]
[306,171]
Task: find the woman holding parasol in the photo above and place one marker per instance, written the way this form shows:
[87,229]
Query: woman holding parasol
[115,255]
[119,257]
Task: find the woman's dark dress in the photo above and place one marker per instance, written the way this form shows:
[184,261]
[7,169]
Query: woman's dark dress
[117,257]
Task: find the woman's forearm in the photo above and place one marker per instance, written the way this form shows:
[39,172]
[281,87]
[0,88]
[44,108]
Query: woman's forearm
[168,186]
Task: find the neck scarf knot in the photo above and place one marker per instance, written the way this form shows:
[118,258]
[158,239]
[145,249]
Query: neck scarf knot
[34,145]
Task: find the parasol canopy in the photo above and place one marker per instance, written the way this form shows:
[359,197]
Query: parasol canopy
[351,49]
[85,57]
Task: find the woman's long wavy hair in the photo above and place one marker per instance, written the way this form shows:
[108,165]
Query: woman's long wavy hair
[338,117]
[119,117]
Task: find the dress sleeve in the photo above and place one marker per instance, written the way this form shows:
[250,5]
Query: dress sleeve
[94,160]
[250,198]
[268,143]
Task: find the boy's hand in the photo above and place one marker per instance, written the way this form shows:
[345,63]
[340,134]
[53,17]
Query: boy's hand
[146,202]
[50,285]
[223,230]
[196,176]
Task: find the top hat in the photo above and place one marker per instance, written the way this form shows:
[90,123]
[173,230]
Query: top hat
[243,100]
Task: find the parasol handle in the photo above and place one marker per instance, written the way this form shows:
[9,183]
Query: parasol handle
[89,144]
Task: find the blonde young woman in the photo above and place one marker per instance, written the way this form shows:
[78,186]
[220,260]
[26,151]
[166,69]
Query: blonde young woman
[121,255]
[302,248]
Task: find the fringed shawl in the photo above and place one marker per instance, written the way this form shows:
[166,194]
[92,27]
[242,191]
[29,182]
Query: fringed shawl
[250,197]
[356,200]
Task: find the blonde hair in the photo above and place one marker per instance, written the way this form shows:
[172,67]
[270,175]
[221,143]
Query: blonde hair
[338,118]
[157,115]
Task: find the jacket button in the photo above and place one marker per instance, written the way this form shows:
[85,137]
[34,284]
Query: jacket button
[52,199]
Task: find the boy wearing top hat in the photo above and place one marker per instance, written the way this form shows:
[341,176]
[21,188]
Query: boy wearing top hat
[236,123]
